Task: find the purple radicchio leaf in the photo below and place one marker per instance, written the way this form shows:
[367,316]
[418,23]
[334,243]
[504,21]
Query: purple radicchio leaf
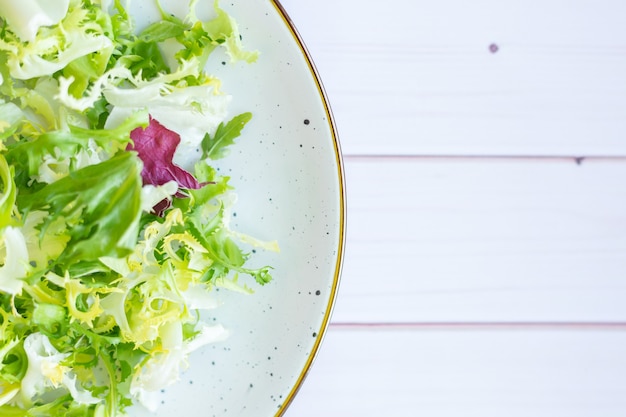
[155,146]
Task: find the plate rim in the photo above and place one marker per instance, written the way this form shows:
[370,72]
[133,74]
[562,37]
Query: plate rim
[282,12]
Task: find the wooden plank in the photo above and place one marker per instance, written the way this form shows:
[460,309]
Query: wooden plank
[471,373]
[472,78]
[456,240]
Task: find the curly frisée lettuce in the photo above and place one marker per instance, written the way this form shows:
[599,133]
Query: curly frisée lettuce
[112,240]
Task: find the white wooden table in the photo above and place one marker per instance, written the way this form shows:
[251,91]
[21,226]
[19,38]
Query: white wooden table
[485,156]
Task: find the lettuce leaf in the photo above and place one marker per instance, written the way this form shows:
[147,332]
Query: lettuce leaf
[8,193]
[225,31]
[15,260]
[54,48]
[10,118]
[101,205]
[29,156]
[26,19]
[215,146]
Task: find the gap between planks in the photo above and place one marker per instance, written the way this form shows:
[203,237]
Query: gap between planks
[481,326]
[572,158]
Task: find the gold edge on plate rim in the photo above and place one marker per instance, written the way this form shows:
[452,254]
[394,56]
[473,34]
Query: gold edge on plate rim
[342,206]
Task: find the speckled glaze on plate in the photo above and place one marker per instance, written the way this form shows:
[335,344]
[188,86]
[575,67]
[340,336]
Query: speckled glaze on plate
[288,175]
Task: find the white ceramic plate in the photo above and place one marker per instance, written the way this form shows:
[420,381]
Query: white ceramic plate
[287,171]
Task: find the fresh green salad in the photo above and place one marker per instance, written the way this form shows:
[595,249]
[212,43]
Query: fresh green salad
[114,225]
